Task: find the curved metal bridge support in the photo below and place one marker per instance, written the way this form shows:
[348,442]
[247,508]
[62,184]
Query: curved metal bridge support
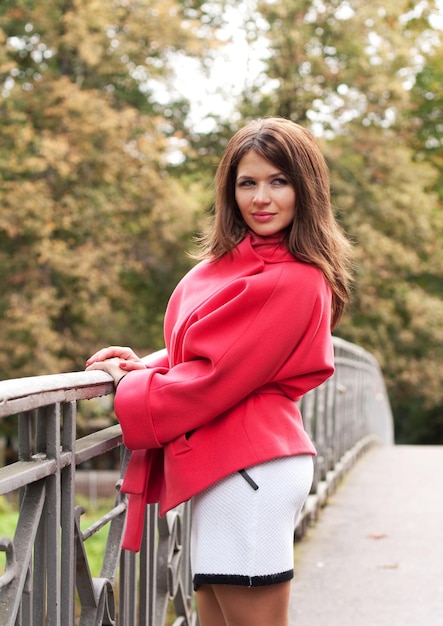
[344,416]
[46,578]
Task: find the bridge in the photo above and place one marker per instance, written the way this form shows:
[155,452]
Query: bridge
[375,557]
[45,575]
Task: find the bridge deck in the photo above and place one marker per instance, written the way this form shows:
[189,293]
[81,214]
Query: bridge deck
[375,557]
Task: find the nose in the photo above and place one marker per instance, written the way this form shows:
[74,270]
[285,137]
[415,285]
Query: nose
[261,195]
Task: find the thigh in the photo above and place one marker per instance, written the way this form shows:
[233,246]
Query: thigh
[209,609]
[254,606]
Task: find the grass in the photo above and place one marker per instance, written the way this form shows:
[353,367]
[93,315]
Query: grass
[95,545]
[9,517]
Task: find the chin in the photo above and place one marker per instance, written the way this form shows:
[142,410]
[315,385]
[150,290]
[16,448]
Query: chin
[266,232]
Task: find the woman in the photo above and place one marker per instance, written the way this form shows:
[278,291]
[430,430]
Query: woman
[248,332]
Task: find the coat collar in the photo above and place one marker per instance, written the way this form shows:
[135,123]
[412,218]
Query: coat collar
[270,249]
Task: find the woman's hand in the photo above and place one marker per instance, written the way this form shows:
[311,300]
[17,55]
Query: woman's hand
[104,354]
[111,366]
[115,360]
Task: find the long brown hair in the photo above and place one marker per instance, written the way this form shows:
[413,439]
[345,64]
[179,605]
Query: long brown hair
[314,236]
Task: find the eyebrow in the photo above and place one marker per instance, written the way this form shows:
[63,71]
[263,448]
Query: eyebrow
[251,176]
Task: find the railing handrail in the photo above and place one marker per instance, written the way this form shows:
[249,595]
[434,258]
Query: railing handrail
[24,394]
[347,412]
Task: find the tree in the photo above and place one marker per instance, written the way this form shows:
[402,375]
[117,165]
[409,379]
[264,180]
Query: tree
[426,115]
[93,226]
[396,314]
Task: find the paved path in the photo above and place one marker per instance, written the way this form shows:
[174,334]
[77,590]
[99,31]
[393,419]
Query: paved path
[375,556]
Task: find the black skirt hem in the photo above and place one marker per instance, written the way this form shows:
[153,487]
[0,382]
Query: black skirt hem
[244,581]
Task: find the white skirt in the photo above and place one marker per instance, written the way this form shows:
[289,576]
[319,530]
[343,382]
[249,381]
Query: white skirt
[243,533]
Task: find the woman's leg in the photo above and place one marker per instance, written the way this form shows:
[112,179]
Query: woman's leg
[209,610]
[236,605]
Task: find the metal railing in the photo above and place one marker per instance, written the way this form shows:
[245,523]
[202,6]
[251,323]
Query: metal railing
[46,577]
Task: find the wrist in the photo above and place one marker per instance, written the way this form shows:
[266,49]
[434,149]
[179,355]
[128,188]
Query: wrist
[118,381]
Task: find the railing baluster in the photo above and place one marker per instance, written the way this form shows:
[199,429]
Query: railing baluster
[127,595]
[149,563]
[39,566]
[53,520]
[67,486]
[25,536]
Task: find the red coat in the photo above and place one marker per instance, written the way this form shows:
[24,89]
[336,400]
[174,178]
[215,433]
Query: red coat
[246,337]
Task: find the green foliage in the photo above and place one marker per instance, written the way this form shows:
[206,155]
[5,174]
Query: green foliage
[96,217]
[398,308]
[426,115]
[93,227]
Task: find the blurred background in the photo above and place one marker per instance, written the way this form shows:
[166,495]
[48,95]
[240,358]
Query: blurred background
[113,116]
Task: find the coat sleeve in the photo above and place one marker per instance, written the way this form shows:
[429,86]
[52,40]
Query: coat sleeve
[253,334]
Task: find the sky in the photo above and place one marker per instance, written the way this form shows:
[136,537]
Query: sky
[236,64]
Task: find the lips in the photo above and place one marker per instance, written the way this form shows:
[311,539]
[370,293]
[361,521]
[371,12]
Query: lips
[263,216]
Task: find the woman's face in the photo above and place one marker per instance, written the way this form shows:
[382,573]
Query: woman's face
[264,195]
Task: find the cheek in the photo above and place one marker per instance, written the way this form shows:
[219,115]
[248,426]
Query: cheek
[240,202]
[291,203]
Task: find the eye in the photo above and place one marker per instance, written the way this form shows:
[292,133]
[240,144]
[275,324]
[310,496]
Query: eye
[279,181]
[246,183]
